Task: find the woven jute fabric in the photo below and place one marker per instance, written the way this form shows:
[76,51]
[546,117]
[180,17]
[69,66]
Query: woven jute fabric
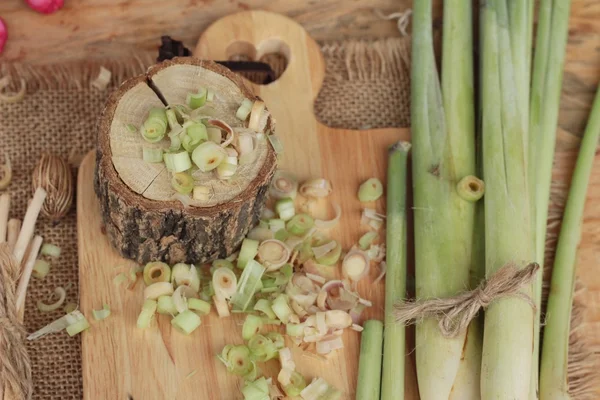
[59,114]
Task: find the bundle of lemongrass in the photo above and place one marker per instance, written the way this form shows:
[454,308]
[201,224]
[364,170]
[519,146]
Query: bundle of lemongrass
[514,157]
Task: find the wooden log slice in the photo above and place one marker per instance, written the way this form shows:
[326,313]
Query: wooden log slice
[142,215]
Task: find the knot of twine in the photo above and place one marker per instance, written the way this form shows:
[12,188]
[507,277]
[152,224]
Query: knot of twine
[455,313]
[15,367]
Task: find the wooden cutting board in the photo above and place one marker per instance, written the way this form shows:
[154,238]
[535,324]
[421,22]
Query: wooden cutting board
[120,360]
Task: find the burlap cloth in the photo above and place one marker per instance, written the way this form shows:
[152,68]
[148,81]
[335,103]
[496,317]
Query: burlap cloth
[366,86]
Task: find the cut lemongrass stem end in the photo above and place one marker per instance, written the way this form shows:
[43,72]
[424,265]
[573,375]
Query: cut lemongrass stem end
[470,188]
[156,271]
[152,155]
[370,190]
[4,211]
[31,216]
[285,208]
[356,265]
[14,227]
[369,363]
[273,254]
[36,244]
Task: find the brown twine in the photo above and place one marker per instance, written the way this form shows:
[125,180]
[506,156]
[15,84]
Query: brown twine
[455,313]
[14,360]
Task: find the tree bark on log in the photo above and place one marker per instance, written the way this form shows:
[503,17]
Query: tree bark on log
[146,230]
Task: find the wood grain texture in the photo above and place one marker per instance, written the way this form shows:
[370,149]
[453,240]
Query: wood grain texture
[119,359]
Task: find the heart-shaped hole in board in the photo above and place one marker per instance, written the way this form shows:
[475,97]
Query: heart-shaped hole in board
[273,52]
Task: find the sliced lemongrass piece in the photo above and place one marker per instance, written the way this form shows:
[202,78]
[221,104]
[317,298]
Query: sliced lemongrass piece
[174,124]
[331,257]
[158,289]
[201,193]
[252,326]
[208,155]
[300,224]
[332,223]
[295,330]
[267,214]
[224,282]
[77,327]
[230,138]
[244,144]
[296,384]
[198,305]
[285,208]
[260,234]
[337,319]
[197,100]
[248,284]
[221,306]
[214,135]
[222,263]
[186,275]
[166,305]
[255,113]
[273,254]
[148,310]
[276,225]
[182,182]
[281,308]
[264,306]
[470,188]
[257,390]
[316,188]
[152,155]
[226,170]
[195,134]
[263,224]
[284,185]
[50,250]
[60,293]
[322,250]
[175,143]
[248,251]
[367,239]
[186,322]
[179,299]
[104,313]
[327,346]
[276,143]
[177,162]
[244,110]
[70,307]
[156,272]
[11,97]
[317,278]
[370,190]
[356,265]
[41,268]
[155,127]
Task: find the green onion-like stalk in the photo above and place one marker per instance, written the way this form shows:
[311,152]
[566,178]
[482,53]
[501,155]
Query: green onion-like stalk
[369,364]
[555,351]
[509,322]
[392,381]
[443,139]
[551,41]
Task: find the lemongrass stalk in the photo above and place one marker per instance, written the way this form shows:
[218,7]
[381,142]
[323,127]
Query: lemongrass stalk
[508,333]
[394,352]
[443,154]
[553,26]
[369,365]
[555,351]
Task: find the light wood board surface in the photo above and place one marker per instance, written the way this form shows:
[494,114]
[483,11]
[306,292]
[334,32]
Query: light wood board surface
[119,359]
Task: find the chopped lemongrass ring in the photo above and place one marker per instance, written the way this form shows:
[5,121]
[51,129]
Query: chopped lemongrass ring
[332,223]
[158,289]
[179,299]
[208,156]
[282,235]
[202,193]
[320,251]
[148,310]
[224,282]
[174,124]
[248,251]
[297,383]
[295,330]
[248,284]
[337,319]
[285,208]
[175,143]
[276,225]
[201,306]
[226,170]
[58,292]
[166,305]
[158,113]
[244,144]
[244,110]
[214,135]
[222,263]
[186,275]
[276,143]
[356,265]
[70,307]
[41,268]
[182,182]
[284,185]
[255,113]
[78,327]
[197,100]
[470,188]
[181,161]
[370,190]
[252,326]
[367,239]
[152,155]
[156,272]
[281,308]
[331,257]
[186,322]
[316,188]
[221,306]
[273,254]
[264,306]
[50,250]
[300,224]
[260,234]
[104,313]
